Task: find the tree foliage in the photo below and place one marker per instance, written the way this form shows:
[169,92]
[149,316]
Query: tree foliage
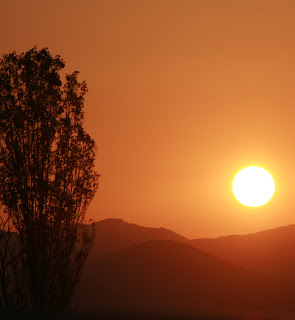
[13,289]
[47,176]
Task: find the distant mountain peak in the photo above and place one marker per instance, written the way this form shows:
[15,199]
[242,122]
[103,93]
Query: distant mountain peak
[111,220]
[114,234]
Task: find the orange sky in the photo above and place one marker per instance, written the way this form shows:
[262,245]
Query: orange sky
[182,95]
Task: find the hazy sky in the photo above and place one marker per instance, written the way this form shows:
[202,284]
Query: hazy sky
[182,95]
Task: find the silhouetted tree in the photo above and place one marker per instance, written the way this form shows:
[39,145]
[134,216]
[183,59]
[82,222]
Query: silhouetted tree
[47,177]
[13,289]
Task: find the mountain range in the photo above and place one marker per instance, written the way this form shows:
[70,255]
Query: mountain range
[135,269]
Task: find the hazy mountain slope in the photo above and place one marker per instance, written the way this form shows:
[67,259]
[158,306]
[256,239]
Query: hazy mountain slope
[269,252]
[169,276]
[115,234]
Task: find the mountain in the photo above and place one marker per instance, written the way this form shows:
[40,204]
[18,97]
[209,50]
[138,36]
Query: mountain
[168,276]
[269,252]
[115,234]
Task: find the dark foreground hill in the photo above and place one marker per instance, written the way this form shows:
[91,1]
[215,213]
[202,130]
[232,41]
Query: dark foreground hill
[163,277]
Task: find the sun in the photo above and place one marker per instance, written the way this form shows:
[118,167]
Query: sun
[253,186]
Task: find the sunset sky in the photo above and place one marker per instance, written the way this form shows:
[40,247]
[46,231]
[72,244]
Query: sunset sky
[182,95]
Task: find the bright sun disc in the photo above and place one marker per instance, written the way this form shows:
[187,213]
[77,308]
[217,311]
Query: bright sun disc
[253,186]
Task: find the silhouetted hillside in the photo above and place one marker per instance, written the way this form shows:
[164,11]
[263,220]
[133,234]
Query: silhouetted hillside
[269,252]
[168,276]
[115,234]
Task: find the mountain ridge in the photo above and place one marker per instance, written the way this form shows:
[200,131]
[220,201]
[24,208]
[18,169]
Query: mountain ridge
[268,252]
[139,269]
[114,234]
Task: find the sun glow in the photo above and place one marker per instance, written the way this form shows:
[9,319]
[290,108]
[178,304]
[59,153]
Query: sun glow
[253,186]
